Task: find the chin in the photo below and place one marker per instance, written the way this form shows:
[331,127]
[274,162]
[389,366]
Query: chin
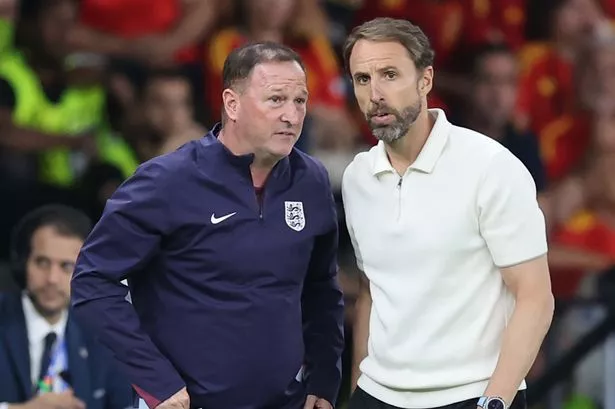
[283,149]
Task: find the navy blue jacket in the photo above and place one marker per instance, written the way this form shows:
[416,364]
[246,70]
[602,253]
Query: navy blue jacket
[231,297]
[93,374]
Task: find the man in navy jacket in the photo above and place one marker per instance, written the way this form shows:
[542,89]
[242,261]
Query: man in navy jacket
[229,248]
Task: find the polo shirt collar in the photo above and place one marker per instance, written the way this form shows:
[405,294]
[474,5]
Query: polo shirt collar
[429,155]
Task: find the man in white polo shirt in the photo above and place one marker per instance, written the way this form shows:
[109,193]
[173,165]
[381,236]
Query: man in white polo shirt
[455,296]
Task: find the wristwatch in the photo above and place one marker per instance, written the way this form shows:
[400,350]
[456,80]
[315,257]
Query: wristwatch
[491,402]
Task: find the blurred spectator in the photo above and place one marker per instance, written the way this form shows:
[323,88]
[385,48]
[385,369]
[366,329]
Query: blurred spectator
[331,126]
[46,359]
[155,32]
[491,109]
[165,115]
[37,108]
[8,13]
[139,34]
[51,119]
[567,140]
[494,21]
[586,243]
[547,84]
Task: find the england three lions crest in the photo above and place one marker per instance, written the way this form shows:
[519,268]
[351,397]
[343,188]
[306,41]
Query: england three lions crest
[295,218]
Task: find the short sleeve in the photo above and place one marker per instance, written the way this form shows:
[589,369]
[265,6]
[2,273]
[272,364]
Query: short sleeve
[510,219]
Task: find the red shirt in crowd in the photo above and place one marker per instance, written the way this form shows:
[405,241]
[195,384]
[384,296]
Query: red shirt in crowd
[135,18]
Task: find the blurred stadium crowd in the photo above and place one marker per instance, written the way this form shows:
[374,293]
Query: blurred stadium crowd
[91,88]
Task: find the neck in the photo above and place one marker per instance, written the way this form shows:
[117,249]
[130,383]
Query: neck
[52,318]
[404,151]
[260,173]
[262,164]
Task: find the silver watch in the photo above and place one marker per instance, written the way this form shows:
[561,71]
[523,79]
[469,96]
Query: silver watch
[491,402]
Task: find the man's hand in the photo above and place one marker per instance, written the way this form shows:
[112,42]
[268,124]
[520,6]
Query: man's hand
[180,400]
[64,400]
[314,402]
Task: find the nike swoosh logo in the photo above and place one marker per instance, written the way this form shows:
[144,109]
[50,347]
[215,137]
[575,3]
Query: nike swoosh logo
[216,220]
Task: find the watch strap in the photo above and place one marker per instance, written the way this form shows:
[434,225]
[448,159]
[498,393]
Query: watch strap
[482,402]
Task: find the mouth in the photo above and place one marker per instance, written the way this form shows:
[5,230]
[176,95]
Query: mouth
[289,134]
[382,118]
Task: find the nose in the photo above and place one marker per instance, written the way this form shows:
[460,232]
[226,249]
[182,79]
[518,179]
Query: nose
[375,93]
[291,114]
[55,274]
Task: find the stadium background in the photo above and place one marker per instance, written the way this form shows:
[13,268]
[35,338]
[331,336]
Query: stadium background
[91,88]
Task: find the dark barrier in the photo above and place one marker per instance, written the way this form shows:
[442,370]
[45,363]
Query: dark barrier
[562,369]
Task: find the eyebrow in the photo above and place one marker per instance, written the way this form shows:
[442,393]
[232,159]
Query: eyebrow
[380,70]
[282,90]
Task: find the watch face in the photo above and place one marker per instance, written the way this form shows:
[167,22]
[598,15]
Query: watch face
[496,404]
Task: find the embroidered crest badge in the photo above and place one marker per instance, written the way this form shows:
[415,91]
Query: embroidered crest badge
[295,218]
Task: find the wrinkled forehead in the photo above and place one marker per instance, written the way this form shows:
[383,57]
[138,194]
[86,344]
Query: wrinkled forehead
[373,56]
[288,76]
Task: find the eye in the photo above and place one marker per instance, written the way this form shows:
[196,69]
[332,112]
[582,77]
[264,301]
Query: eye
[390,75]
[68,267]
[301,101]
[276,99]
[361,79]
[42,262]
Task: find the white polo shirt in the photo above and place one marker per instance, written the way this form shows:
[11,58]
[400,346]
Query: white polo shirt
[430,242]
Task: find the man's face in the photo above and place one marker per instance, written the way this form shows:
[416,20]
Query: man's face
[389,89]
[271,108]
[495,88]
[55,24]
[49,269]
[167,105]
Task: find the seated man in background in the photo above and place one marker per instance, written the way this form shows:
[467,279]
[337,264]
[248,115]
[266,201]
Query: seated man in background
[46,359]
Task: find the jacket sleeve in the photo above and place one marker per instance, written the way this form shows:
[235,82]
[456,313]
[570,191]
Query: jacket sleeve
[119,393]
[127,235]
[323,312]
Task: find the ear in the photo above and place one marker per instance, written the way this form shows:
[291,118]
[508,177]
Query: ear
[426,81]
[230,101]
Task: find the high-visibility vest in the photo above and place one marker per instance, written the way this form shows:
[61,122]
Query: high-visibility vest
[79,110]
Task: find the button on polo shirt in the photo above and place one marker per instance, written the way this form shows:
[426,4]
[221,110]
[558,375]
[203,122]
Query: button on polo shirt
[431,242]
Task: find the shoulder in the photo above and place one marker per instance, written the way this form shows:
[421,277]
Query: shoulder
[473,148]
[171,167]
[9,303]
[361,165]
